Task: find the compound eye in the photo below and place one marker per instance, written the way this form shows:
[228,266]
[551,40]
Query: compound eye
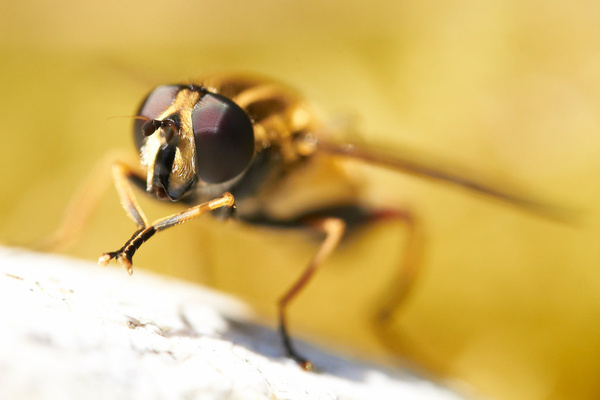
[154,105]
[224,138]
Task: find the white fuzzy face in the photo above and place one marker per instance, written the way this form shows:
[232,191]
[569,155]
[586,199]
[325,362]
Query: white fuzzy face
[169,156]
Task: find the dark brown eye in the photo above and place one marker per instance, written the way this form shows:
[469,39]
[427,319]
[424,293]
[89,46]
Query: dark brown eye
[224,138]
[155,104]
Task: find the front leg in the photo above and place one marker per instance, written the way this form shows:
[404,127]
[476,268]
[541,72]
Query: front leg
[87,197]
[122,176]
[125,253]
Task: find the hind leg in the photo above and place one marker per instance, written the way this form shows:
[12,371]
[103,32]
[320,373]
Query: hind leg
[390,330]
[409,266]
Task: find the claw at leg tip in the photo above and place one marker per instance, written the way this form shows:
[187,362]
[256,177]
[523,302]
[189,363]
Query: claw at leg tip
[125,262]
[307,366]
[104,260]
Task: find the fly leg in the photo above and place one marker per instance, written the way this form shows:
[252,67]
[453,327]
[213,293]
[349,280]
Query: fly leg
[409,265]
[394,335]
[122,176]
[85,201]
[334,229]
[145,230]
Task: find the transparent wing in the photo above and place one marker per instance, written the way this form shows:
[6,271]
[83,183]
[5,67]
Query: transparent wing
[445,172]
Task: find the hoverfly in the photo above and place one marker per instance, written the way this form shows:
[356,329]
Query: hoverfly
[231,146]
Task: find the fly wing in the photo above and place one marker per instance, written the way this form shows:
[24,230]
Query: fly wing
[403,162]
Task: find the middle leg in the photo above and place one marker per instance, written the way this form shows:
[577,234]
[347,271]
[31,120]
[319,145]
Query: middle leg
[334,229]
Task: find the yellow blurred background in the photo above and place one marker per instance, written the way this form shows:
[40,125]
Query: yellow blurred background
[508,302]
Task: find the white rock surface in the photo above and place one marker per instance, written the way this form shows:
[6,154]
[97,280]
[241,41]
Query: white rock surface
[69,330]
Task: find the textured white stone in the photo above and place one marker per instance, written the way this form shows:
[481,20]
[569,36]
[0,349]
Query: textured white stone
[69,330]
